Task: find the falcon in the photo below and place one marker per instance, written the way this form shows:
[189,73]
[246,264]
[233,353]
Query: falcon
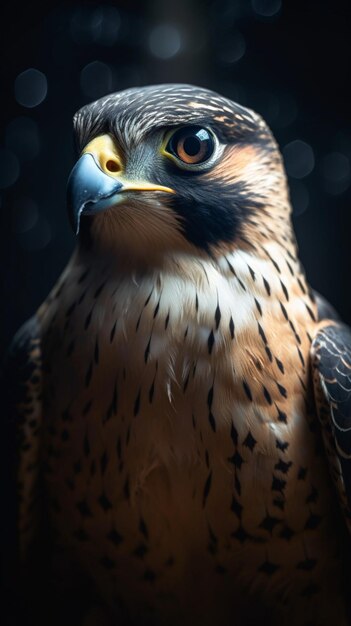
[182,397]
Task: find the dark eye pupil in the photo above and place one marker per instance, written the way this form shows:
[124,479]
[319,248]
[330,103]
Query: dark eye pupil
[192,145]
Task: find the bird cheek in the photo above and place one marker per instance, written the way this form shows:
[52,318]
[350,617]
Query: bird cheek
[234,165]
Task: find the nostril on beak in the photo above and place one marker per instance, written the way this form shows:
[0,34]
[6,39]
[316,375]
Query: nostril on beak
[112,166]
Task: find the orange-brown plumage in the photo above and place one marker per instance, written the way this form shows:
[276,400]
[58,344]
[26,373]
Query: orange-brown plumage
[180,445]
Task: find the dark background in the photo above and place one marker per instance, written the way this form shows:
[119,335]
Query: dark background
[288,60]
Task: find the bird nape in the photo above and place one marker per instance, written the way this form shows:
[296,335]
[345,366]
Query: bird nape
[180,403]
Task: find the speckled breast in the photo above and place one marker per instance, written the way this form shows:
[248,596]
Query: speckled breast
[181,456]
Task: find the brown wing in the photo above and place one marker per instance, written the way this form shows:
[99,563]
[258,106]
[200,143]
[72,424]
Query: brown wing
[331,367]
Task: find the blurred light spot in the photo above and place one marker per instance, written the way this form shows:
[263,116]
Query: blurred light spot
[24,215]
[9,168]
[299,158]
[84,25]
[336,169]
[108,21]
[22,137]
[31,88]
[129,76]
[165,41]
[227,13]
[36,238]
[287,111]
[128,28]
[96,79]
[233,50]
[100,25]
[266,8]
[336,166]
[299,197]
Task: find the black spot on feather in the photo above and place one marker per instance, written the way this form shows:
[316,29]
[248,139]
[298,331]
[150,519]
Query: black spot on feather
[258,306]
[115,537]
[249,441]
[266,286]
[267,395]
[207,488]
[212,421]
[88,319]
[217,316]
[137,403]
[104,502]
[112,333]
[268,568]
[89,374]
[210,342]
[143,528]
[231,327]
[247,390]
[280,365]
[99,290]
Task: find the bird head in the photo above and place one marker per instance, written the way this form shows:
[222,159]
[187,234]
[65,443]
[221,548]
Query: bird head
[175,168]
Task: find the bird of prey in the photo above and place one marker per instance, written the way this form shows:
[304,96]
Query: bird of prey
[182,404]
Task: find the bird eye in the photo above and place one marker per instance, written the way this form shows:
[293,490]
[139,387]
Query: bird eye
[192,145]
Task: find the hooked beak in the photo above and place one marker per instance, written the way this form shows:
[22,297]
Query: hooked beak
[96,180]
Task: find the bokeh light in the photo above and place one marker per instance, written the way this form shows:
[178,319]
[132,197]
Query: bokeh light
[9,168]
[96,79]
[165,41]
[100,25]
[31,88]
[266,8]
[299,158]
[108,25]
[233,49]
[37,237]
[22,136]
[299,196]
[24,215]
[84,25]
[336,170]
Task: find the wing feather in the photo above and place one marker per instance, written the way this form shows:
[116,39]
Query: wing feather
[331,368]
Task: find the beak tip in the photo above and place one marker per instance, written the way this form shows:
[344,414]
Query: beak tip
[87,184]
